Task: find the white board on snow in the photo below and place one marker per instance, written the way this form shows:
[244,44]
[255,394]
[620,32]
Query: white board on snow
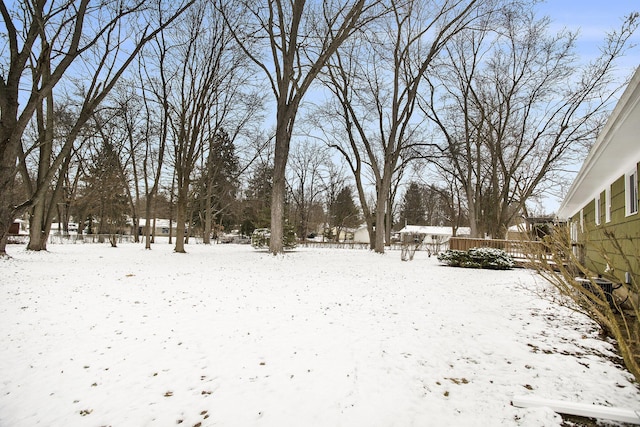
[580,409]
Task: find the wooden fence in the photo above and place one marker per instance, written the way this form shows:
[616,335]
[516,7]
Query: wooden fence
[518,249]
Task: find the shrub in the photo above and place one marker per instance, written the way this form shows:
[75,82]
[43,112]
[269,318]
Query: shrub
[489,258]
[453,257]
[617,313]
[261,236]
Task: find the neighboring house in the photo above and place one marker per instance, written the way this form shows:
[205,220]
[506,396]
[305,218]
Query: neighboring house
[19,227]
[361,235]
[162,227]
[602,204]
[531,228]
[433,237]
[346,234]
[434,231]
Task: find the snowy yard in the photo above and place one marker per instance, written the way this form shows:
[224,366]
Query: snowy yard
[95,336]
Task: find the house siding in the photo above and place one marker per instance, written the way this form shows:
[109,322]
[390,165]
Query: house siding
[598,240]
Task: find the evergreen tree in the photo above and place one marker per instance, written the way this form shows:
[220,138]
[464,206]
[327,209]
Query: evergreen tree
[107,193]
[257,206]
[343,212]
[413,210]
[215,190]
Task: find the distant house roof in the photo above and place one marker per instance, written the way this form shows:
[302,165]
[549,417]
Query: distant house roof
[615,152]
[434,230]
[159,222]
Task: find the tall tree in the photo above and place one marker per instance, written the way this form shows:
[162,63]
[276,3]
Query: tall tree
[218,184]
[155,132]
[376,85]
[258,196]
[515,105]
[43,145]
[110,192]
[203,61]
[307,169]
[343,212]
[413,210]
[44,40]
[127,104]
[299,37]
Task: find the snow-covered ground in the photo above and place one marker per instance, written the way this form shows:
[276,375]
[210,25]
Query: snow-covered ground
[224,335]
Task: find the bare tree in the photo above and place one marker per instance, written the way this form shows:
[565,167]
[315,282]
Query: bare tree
[44,41]
[130,127]
[106,180]
[42,142]
[514,106]
[299,37]
[201,79]
[376,85]
[309,164]
[155,132]
[343,212]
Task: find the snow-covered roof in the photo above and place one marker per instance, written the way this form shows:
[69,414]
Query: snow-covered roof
[518,227]
[615,152]
[159,222]
[434,230]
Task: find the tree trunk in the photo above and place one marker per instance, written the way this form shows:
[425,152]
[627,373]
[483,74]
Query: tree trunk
[472,213]
[148,222]
[9,146]
[187,228]
[37,238]
[208,215]
[381,205]
[181,215]
[277,212]
[388,219]
[281,155]
[6,219]
[379,234]
[136,227]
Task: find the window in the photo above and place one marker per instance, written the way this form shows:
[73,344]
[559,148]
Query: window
[574,231]
[607,204]
[582,220]
[597,209]
[631,192]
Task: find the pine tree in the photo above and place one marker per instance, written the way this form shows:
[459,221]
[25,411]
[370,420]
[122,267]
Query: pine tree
[215,190]
[258,197]
[343,212]
[108,199]
[413,209]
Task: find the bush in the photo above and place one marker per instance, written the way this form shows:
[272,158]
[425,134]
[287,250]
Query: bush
[489,258]
[618,312]
[261,236]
